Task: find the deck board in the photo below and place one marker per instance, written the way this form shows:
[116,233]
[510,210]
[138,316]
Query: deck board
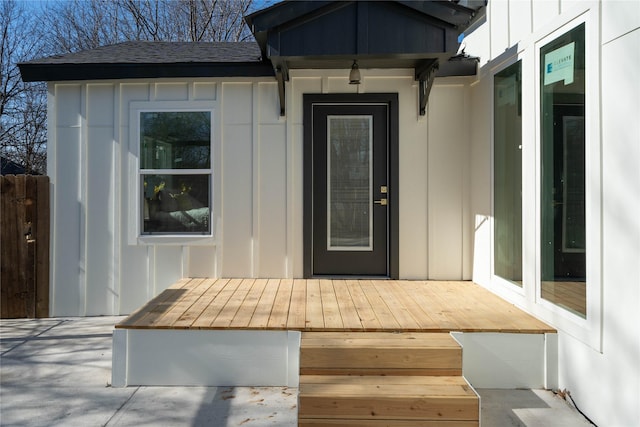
[348,312]
[400,311]
[248,308]
[280,311]
[231,308]
[315,316]
[332,305]
[187,318]
[378,304]
[330,310]
[261,314]
[368,317]
[297,307]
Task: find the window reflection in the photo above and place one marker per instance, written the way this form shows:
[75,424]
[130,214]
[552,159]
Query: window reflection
[563,217]
[175,174]
[507,200]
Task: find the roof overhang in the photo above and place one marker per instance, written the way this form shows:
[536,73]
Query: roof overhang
[422,35]
[67,72]
[418,35]
[144,59]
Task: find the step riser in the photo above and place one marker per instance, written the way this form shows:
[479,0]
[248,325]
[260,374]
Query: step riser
[396,358]
[383,423]
[389,408]
[381,371]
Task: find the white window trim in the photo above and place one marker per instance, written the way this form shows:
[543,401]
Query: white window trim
[135,236]
[507,286]
[587,330]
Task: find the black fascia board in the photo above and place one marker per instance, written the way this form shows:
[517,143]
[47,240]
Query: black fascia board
[34,72]
[458,67]
[285,12]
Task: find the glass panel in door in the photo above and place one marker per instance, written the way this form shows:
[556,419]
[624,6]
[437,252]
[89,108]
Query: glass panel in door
[350,190]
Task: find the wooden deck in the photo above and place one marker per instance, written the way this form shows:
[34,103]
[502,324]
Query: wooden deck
[332,305]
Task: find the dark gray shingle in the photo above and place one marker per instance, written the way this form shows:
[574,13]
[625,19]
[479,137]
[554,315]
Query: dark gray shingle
[146,59]
[150,52]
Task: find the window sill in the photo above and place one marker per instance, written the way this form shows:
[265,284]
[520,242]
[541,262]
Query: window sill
[177,240]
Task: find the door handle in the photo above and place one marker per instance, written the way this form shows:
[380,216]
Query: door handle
[381,202]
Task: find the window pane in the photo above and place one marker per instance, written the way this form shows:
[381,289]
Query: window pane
[507,203]
[563,227]
[175,140]
[349,198]
[176,204]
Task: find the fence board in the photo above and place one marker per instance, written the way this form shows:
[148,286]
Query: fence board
[24,246]
[42,233]
[9,252]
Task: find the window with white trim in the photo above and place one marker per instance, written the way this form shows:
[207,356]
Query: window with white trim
[563,172]
[507,187]
[175,172]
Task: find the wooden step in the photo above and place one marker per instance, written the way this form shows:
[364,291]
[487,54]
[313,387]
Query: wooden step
[386,400]
[379,353]
[384,423]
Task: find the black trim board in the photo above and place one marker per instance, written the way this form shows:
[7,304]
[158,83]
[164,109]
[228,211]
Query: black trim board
[32,72]
[391,99]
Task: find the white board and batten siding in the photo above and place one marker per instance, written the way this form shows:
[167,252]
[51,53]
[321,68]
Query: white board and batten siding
[600,353]
[433,164]
[98,268]
[95,268]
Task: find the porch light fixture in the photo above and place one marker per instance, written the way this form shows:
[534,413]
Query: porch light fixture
[354,74]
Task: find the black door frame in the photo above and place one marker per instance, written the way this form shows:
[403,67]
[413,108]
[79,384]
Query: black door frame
[390,99]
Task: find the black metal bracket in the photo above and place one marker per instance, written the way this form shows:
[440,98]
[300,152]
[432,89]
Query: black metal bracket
[282,76]
[426,74]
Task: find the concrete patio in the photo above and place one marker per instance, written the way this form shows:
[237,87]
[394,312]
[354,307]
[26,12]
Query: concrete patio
[57,372]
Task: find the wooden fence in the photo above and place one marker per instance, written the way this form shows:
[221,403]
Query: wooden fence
[24,246]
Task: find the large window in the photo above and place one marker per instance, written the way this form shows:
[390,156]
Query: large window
[175,172]
[507,186]
[563,219]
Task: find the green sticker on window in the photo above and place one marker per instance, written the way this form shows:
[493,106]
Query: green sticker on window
[558,65]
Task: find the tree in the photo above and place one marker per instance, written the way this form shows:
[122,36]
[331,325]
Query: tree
[188,20]
[22,105]
[75,25]
[86,24]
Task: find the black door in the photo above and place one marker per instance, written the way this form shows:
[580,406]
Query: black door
[350,187]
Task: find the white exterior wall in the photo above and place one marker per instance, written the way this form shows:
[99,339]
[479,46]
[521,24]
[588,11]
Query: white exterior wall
[100,266]
[598,357]
[434,234]
[96,270]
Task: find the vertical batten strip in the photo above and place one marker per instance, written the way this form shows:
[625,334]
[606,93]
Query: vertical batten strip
[255,163]
[52,149]
[82,193]
[116,274]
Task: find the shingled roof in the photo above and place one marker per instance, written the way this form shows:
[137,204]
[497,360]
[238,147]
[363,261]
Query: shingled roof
[293,34]
[149,59]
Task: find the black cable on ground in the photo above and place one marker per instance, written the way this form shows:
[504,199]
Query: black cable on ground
[563,394]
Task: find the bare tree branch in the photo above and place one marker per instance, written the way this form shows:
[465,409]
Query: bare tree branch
[75,25]
[22,105]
